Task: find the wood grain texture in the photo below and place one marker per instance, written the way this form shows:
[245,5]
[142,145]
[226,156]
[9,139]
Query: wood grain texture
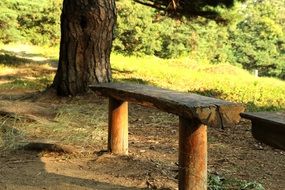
[209,111]
[268,127]
[118,127]
[192,155]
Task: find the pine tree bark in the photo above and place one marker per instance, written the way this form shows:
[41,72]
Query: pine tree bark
[85,46]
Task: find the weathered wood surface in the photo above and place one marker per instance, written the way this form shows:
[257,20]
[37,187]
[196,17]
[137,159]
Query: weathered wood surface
[269,117]
[209,111]
[268,127]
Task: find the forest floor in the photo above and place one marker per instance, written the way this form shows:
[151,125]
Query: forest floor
[78,125]
[152,161]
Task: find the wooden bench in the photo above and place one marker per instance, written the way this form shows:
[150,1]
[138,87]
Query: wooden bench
[195,114]
[268,127]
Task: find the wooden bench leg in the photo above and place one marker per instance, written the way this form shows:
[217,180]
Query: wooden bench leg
[192,155]
[118,127]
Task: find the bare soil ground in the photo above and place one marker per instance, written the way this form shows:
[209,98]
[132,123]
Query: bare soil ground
[152,159]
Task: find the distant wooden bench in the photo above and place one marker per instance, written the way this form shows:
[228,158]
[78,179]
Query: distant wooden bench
[195,114]
[268,127]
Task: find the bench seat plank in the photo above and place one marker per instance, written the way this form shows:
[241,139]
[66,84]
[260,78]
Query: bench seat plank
[271,117]
[209,111]
[268,127]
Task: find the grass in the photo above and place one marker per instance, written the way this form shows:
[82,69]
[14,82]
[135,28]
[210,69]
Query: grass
[10,135]
[26,50]
[67,126]
[77,122]
[24,68]
[222,81]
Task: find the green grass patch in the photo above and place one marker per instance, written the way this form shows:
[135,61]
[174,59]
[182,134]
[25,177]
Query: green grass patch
[28,51]
[34,84]
[222,81]
[26,67]
[216,182]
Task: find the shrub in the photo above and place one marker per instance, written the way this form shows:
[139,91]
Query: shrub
[8,22]
[259,39]
[143,31]
[25,21]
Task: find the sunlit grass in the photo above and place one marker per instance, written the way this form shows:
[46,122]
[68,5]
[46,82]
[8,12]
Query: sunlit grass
[77,122]
[223,81]
[32,84]
[44,51]
[26,67]
[5,69]
[184,74]
[28,76]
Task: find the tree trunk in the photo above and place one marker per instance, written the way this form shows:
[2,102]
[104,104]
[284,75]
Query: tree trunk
[85,46]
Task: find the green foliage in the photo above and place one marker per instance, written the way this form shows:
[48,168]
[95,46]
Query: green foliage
[41,25]
[216,182]
[142,31]
[259,39]
[251,34]
[134,26]
[36,22]
[8,22]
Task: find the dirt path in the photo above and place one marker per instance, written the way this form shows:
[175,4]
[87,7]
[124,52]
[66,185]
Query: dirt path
[152,159]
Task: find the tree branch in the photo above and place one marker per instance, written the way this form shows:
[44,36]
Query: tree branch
[152,5]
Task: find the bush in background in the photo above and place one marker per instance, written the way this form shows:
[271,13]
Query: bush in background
[8,22]
[143,31]
[35,22]
[259,38]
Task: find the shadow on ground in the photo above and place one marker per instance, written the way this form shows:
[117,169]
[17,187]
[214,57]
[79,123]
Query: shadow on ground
[27,171]
[22,168]
[27,167]
[17,58]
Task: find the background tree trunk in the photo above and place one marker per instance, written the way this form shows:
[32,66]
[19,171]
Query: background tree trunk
[85,46]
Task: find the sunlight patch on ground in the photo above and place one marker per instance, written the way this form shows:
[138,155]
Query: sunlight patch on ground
[4,81]
[6,70]
[17,48]
[32,52]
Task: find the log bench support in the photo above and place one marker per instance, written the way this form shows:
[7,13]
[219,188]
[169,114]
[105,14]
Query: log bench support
[268,127]
[118,127]
[195,114]
[192,145]
[192,155]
